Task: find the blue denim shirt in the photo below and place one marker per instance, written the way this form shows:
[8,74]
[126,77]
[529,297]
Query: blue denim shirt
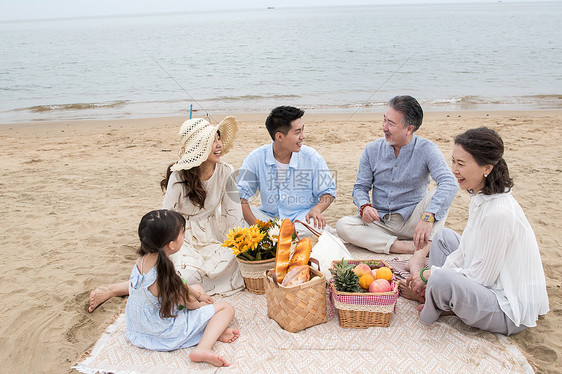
[398,184]
[307,179]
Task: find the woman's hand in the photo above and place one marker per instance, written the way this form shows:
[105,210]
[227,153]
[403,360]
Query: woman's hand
[416,284]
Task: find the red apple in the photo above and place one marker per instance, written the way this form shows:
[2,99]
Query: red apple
[380,285]
[361,269]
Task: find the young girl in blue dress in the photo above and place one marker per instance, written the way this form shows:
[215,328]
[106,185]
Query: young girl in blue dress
[162,312]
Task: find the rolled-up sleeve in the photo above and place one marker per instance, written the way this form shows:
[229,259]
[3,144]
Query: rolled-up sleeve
[248,180]
[446,183]
[364,182]
[323,181]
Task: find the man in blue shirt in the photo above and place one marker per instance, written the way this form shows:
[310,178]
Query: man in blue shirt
[402,215]
[293,180]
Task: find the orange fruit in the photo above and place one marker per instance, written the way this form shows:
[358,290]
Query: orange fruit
[365,280]
[384,273]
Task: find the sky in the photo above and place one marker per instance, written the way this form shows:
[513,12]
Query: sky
[12,10]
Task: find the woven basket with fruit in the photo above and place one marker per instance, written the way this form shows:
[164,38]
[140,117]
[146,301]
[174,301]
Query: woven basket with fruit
[364,292]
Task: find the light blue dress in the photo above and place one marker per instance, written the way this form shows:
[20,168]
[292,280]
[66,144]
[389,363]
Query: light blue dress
[146,329]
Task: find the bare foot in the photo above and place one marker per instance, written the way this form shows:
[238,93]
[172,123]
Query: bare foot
[229,335]
[201,355]
[448,313]
[98,297]
[407,293]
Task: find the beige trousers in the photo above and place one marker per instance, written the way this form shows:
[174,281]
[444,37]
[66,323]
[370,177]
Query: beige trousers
[379,236]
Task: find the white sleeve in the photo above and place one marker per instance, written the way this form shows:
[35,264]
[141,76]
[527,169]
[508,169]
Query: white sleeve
[174,192]
[455,259]
[231,210]
[489,248]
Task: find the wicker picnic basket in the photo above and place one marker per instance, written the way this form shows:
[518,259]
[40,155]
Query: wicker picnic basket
[298,307]
[252,272]
[363,310]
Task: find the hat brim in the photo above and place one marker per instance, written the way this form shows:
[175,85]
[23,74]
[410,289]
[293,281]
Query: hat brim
[228,128]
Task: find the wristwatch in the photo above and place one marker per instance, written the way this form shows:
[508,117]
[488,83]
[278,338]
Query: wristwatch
[426,217]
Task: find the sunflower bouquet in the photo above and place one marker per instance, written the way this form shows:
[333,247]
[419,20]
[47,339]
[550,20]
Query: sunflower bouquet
[254,243]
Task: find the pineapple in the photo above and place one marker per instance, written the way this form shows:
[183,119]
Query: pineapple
[344,278]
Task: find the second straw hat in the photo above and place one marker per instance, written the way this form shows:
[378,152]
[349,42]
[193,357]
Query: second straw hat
[197,137]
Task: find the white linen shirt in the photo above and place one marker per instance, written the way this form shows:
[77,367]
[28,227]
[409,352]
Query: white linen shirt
[498,250]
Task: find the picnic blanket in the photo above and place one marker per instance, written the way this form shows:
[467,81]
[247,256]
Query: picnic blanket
[406,346]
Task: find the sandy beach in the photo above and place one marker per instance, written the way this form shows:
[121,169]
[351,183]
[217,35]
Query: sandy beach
[72,194]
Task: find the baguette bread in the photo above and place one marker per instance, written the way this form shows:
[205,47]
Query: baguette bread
[283,249]
[301,254]
[297,275]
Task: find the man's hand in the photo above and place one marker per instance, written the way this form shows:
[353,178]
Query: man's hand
[247,212]
[421,234]
[318,219]
[370,214]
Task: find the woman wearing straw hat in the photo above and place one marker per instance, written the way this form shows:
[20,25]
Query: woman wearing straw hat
[201,188]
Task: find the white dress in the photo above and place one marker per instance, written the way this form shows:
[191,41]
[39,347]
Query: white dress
[202,260]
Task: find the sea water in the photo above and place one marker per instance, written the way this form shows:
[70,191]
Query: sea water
[450,56]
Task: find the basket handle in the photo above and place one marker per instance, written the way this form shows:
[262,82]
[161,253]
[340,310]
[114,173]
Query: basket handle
[311,261]
[310,228]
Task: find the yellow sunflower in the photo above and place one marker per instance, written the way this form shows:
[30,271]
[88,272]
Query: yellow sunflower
[264,226]
[255,235]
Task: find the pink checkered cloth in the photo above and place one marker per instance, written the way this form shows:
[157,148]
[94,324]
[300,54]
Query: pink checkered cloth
[364,299]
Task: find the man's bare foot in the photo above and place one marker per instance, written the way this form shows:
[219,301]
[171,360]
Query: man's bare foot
[229,335]
[417,261]
[98,297]
[407,293]
[201,355]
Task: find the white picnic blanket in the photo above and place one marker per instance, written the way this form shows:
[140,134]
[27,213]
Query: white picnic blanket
[406,346]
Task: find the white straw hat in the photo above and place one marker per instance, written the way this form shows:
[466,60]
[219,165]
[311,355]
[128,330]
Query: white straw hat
[197,137]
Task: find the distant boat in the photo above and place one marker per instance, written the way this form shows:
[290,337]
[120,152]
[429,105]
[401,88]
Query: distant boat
[270,7]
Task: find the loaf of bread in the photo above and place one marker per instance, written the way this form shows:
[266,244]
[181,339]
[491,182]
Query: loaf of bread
[283,249]
[301,254]
[297,275]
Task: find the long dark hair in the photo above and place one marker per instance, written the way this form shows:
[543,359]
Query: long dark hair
[191,179]
[486,147]
[156,229]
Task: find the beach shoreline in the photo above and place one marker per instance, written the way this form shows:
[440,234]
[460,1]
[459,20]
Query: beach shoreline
[74,191]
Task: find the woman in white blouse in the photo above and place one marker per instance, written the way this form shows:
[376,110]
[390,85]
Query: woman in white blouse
[202,189]
[492,277]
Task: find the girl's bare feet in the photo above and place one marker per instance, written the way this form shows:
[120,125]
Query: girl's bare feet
[407,292]
[201,355]
[98,297]
[229,335]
